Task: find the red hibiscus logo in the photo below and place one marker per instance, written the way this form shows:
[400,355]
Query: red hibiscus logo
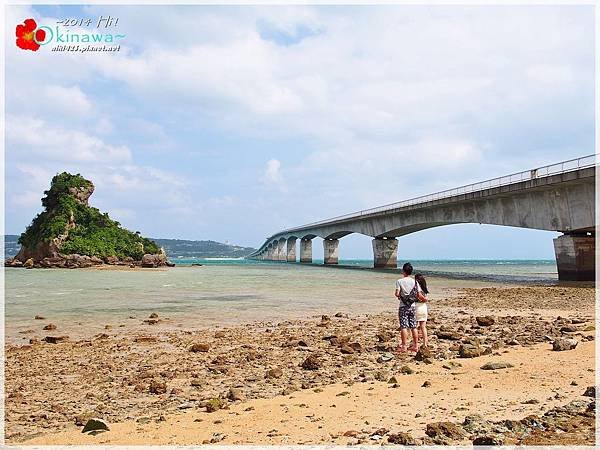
[28,35]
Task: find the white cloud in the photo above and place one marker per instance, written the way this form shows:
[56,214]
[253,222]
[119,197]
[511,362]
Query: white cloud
[35,138]
[71,99]
[272,173]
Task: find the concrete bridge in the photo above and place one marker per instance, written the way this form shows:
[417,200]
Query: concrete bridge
[558,197]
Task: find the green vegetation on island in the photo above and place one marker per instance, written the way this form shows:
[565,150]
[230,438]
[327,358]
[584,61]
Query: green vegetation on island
[69,226]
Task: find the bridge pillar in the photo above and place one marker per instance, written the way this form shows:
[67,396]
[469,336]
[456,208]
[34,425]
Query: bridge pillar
[385,253]
[306,250]
[280,255]
[575,257]
[330,251]
[291,249]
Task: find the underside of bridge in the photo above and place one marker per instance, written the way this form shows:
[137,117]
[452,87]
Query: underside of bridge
[564,202]
[575,253]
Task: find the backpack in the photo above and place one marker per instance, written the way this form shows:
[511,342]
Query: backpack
[412,296]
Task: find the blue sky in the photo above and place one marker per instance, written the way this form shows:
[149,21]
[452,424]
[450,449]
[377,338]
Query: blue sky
[230,123]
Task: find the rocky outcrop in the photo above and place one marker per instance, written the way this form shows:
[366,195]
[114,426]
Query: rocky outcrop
[157,260]
[47,242]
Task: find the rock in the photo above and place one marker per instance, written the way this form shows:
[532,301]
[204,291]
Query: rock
[471,421]
[95,425]
[325,321]
[50,326]
[236,394]
[562,344]
[12,262]
[380,376]
[96,261]
[423,353]
[151,321]
[55,339]
[157,387]
[568,329]
[214,404]
[473,351]
[356,346]
[347,350]
[477,386]
[29,263]
[385,357]
[339,340]
[444,429]
[401,438]
[54,261]
[154,260]
[406,370]
[311,363]
[393,380]
[496,365]
[485,321]
[275,372]
[384,336]
[145,339]
[448,335]
[426,384]
[533,401]
[488,440]
[217,437]
[339,314]
[39,318]
[81,419]
[590,392]
[199,347]
[451,365]
[153,316]
[220,334]
[351,433]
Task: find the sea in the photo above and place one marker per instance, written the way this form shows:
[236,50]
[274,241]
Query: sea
[222,292]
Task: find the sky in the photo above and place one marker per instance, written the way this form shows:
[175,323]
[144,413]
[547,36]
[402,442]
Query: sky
[231,123]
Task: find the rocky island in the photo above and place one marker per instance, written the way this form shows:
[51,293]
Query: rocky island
[70,233]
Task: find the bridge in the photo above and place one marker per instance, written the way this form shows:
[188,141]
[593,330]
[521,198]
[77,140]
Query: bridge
[558,197]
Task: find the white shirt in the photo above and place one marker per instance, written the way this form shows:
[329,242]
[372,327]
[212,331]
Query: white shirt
[406,284]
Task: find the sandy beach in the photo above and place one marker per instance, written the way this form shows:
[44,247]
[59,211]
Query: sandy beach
[330,379]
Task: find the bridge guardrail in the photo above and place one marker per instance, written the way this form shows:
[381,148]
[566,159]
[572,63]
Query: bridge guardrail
[539,172]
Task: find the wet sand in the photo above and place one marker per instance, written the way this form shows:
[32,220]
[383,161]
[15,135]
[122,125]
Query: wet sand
[331,380]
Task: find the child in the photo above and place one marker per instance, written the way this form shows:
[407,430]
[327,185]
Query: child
[421,308]
[408,292]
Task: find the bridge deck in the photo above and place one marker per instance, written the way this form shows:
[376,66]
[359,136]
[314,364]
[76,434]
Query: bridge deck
[562,172]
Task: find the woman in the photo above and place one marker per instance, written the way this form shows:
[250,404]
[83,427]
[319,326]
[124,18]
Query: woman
[421,308]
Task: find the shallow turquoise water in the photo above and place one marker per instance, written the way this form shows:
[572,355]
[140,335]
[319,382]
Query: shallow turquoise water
[219,292]
[493,270]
